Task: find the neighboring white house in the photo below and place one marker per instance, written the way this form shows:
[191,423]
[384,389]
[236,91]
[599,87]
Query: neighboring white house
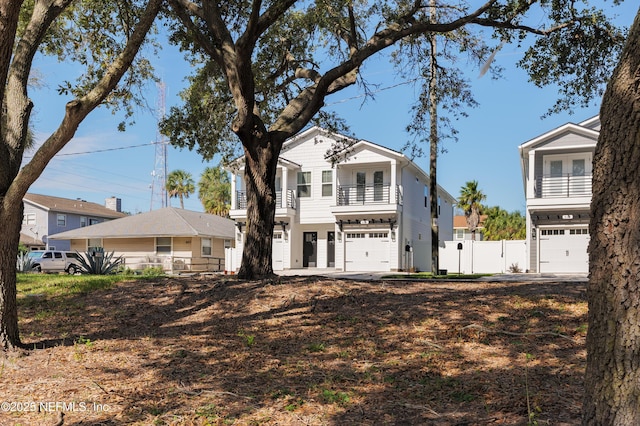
[369,212]
[556,171]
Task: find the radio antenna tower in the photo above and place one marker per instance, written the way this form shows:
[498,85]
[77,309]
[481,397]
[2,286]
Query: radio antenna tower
[159,174]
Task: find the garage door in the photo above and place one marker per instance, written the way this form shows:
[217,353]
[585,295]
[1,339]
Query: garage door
[277,255]
[367,251]
[564,250]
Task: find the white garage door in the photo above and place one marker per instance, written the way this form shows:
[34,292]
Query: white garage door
[564,250]
[277,256]
[367,251]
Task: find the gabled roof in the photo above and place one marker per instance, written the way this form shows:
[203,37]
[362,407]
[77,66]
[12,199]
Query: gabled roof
[66,205]
[460,221]
[165,222]
[567,128]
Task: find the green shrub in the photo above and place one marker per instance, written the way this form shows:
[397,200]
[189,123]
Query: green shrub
[25,263]
[99,263]
[153,271]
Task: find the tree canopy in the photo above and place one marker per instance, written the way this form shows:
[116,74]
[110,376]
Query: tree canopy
[104,38]
[214,191]
[180,185]
[262,70]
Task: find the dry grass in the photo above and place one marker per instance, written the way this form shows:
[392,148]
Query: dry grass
[301,351]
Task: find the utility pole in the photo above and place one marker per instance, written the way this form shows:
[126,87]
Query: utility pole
[159,196]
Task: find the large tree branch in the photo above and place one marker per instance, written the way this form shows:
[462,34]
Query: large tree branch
[184,9]
[78,109]
[302,108]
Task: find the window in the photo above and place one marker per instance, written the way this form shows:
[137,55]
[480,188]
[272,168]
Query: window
[304,184]
[227,244]
[582,231]
[361,183]
[426,196]
[163,245]
[277,235]
[378,235]
[93,221]
[378,191]
[552,231]
[205,243]
[92,243]
[327,183]
[57,255]
[62,220]
[83,221]
[459,234]
[29,219]
[356,235]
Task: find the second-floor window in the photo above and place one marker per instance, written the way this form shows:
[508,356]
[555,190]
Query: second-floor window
[83,221]
[62,220]
[327,183]
[29,219]
[304,184]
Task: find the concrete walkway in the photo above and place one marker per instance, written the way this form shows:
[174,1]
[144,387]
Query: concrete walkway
[370,276]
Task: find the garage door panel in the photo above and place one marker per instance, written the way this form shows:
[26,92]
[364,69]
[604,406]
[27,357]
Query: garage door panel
[367,251]
[277,254]
[564,251]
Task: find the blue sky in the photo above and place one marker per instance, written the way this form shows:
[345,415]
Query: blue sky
[100,162]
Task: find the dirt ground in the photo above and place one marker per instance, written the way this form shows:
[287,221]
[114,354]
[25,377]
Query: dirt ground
[300,351]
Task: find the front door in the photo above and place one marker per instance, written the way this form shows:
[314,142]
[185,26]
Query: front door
[309,252]
[331,249]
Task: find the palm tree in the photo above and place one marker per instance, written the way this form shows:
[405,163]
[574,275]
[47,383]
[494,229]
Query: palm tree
[470,201]
[180,185]
[214,191]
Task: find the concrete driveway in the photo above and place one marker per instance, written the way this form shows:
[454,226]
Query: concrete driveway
[368,276]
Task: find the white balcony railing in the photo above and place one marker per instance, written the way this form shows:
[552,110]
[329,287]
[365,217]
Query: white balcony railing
[289,201]
[353,195]
[567,185]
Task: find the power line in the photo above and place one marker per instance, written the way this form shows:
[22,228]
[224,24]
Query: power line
[103,150]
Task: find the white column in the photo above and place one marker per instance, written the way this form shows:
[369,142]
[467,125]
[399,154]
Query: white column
[531,177]
[393,196]
[284,186]
[233,192]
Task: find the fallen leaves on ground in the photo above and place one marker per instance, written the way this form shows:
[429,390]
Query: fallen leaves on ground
[300,351]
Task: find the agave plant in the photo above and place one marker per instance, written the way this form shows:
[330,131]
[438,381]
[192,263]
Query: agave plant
[97,262]
[25,263]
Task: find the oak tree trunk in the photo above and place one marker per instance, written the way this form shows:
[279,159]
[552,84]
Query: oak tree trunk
[261,160]
[11,220]
[612,380]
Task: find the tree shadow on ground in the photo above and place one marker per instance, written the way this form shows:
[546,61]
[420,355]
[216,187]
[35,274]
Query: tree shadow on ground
[319,351]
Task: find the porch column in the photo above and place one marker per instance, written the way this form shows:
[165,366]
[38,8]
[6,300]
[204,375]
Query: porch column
[284,187]
[393,197]
[531,175]
[234,195]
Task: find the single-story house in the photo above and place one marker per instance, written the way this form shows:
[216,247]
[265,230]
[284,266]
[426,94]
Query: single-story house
[175,239]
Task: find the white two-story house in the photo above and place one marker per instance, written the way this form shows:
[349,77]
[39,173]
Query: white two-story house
[369,212]
[556,170]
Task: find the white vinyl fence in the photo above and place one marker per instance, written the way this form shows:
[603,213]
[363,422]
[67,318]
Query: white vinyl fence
[480,257]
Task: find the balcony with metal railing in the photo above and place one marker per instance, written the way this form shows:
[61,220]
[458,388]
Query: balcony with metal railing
[564,186]
[286,202]
[359,195]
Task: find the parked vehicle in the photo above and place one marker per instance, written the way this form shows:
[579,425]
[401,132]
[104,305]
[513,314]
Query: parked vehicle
[55,261]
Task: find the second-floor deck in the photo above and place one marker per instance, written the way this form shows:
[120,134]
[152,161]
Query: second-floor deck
[354,195]
[286,202]
[566,185]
